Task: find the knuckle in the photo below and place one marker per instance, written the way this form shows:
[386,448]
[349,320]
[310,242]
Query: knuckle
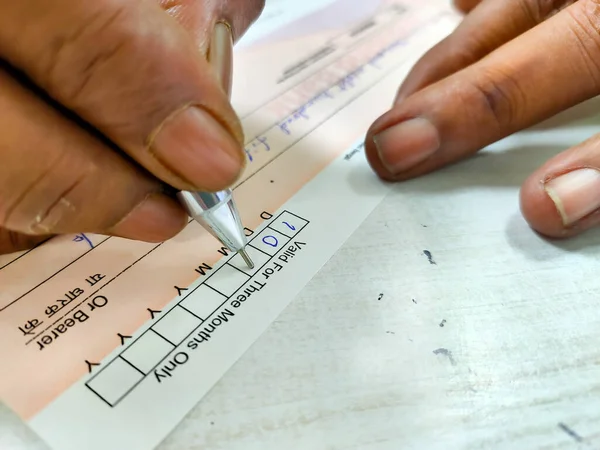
[591,7]
[500,97]
[73,66]
[587,17]
[584,26]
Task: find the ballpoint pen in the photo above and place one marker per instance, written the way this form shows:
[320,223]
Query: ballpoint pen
[217,212]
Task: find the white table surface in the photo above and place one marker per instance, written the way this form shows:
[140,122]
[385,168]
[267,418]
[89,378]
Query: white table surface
[518,354]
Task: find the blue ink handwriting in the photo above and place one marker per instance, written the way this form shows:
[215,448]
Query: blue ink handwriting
[81,238]
[270,241]
[260,142]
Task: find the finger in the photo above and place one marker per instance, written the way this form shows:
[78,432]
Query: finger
[55,178]
[562,198]
[511,89]
[186,13]
[466,6]
[11,241]
[134,74]
[490,25]
[199,17]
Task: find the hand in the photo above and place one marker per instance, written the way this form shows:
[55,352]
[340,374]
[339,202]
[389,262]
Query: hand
[102,104]
[509,65]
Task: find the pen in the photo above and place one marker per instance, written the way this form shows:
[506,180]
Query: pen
[217,211]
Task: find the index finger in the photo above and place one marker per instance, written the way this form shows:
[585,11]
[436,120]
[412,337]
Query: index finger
[544,71]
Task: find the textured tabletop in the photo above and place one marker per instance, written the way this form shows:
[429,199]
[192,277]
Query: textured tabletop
[444,322]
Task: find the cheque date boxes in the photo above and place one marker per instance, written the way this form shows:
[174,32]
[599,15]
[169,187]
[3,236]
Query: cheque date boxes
[114,381]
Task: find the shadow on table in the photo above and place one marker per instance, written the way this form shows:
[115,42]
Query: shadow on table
[504,169]
[587,113]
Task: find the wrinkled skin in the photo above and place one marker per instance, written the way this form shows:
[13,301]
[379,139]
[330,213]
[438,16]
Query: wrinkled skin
[509,65]
[104,103]
[94,115]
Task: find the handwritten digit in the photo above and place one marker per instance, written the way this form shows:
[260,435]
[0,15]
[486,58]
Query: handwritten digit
[291,227]
[270,240]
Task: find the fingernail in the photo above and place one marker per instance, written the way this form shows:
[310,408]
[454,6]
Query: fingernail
[575,194]
[407,144]
[156,219]
[199,150]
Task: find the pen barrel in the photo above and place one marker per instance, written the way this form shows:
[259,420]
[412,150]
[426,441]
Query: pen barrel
[217,213]
[199,203]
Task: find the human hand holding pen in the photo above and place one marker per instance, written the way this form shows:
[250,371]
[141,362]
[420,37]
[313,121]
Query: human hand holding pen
[102,105]
[217,211]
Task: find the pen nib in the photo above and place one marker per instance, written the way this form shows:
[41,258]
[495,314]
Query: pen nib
[246,259]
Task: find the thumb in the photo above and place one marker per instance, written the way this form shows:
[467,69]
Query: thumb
[561,199]
[137,77]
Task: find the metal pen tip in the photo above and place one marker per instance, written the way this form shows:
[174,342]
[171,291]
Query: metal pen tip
[246,259]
